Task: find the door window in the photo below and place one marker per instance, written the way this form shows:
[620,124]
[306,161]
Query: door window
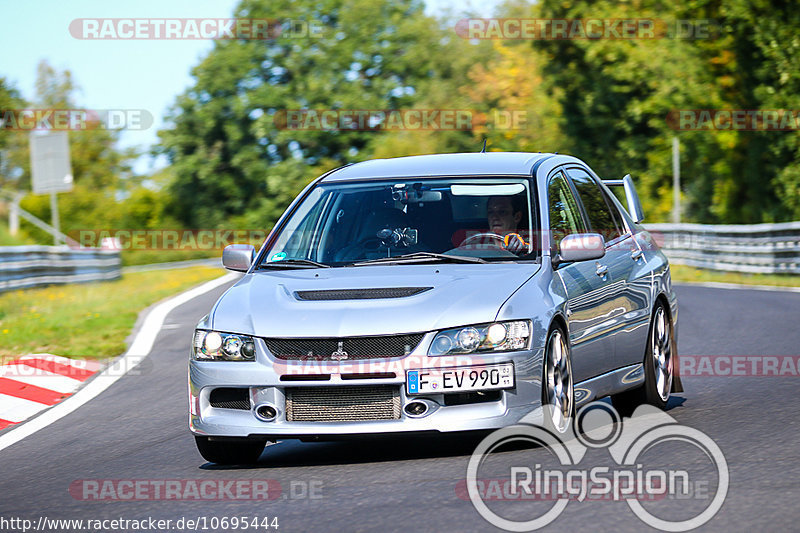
[599,209]
[565,215]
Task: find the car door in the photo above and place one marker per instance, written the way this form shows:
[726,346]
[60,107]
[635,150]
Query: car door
[625,301]
[592,349]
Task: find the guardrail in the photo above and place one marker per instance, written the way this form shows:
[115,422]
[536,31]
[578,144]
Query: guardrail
[211,262]
[755,248]
[23,267]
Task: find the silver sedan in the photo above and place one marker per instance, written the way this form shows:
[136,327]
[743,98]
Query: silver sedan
[436,293]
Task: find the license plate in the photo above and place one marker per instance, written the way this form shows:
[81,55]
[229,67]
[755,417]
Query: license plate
[460,379]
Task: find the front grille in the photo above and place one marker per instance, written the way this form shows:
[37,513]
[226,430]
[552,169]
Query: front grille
[342,404]
[346,348]
[361,294]
[230,398]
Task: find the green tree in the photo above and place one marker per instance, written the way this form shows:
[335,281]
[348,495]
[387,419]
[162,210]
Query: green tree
[617,93]
[12,143]
[224,137]
[767,34]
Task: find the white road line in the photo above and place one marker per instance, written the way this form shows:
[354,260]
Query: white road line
[39,378]
[140,348]
[16,409]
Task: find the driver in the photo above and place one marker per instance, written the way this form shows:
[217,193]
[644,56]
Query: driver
[504,217]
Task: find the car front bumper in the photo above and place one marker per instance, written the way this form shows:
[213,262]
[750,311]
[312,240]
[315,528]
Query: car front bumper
[262,379]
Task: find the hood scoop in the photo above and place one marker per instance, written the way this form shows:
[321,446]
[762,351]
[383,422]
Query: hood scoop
[360,294]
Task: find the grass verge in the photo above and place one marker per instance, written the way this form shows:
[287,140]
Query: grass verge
[6,239]
[148,257]
[88,320]
[682,273]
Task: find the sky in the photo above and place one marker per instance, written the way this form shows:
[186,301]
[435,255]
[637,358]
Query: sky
[121,74]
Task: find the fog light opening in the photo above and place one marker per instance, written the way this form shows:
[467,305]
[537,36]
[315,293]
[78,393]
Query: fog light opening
[266,412]
[416,408]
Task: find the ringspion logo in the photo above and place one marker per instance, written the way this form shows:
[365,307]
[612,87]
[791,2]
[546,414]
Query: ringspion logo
[544,482]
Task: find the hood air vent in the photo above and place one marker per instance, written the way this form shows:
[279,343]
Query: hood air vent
[360,294]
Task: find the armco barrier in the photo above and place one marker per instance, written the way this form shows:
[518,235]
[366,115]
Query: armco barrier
[32,266]
[756,248]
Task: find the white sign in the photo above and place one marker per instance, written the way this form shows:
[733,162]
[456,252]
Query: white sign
[51,170]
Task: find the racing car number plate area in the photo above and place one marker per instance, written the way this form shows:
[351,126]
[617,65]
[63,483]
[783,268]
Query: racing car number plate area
[460,379]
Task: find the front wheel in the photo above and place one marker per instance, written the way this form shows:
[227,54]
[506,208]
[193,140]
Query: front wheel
[558,398]
[658,367]
[230,452]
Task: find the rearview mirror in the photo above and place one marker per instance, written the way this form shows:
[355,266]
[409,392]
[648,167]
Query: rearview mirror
[238,257]
[414,194]
[581,247]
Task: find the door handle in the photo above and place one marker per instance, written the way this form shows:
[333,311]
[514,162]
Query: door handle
[602,270]
[636,255]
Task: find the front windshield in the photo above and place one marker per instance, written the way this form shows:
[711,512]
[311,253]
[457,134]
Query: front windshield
[345,223]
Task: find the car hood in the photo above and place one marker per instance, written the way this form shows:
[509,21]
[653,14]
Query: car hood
[265,303]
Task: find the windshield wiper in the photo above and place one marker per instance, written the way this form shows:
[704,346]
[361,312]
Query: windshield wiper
[292,263]
[423,257]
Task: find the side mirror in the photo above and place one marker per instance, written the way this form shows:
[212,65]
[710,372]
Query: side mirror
[238,257]
[581,247]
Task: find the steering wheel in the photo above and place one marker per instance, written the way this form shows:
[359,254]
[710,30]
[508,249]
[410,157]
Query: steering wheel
[494,236]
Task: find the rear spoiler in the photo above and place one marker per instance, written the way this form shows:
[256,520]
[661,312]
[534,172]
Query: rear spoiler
[634,205]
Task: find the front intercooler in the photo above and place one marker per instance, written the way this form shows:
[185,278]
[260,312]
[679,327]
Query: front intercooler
[342,404]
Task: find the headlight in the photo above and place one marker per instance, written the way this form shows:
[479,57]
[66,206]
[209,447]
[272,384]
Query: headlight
[216,346]
[495,337]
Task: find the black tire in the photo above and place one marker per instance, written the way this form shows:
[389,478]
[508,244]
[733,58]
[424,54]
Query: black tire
[558,403]
[230,452]
[658,363]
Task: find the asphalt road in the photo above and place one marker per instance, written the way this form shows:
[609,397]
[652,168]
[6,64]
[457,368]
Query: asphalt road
[137,430]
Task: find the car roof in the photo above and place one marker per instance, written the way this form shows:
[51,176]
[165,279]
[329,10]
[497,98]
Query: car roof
[463,164]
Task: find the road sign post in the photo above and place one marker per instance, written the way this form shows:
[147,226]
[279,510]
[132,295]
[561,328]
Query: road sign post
[55,221]
[676,181]
[51,169]
[13,215]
